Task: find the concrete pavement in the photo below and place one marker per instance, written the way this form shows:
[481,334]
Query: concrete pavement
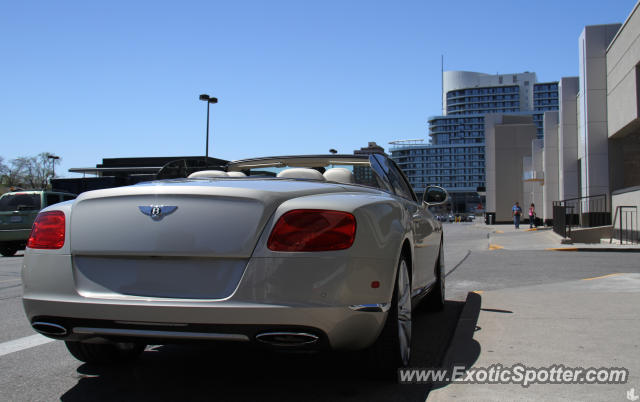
[578,310]
[583,323]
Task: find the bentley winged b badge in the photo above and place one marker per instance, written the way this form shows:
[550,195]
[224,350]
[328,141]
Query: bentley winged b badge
[157,211]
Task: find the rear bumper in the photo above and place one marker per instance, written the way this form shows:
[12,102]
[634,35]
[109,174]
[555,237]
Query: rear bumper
[96,331]
[338,328]
[283,295]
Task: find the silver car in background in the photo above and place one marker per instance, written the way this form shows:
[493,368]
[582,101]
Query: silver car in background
[299,252]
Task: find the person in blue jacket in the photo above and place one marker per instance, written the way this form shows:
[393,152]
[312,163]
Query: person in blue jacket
[516,211]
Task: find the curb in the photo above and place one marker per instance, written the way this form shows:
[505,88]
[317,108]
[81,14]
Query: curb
[596,249]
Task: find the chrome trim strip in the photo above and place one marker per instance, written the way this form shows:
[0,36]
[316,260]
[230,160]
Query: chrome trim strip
[157,324]
[160,334]
[371,308]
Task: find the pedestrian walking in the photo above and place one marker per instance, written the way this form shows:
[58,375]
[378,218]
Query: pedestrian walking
[516,211]
[532,216]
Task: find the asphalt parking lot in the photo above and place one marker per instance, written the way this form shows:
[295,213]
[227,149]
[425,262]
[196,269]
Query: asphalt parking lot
[531,306]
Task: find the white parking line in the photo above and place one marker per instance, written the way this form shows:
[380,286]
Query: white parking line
[23,343]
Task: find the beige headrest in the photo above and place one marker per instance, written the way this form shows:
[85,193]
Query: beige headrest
[207,173]
[236,174]
[301,173]
[340,175]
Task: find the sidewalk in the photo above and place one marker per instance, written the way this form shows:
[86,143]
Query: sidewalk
[578,323]
[507,237]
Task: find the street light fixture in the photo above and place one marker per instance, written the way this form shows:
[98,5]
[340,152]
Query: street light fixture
[53,166]
[209,100]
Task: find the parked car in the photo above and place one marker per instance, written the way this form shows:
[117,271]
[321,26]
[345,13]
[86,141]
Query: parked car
[17,213]
[300,252]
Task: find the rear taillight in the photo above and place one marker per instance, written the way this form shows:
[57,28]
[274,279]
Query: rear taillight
[47,231]
[313,230]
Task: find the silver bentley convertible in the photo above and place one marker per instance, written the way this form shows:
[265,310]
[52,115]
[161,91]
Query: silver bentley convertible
[297,252]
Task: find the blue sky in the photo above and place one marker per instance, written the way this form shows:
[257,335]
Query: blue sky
[89,80]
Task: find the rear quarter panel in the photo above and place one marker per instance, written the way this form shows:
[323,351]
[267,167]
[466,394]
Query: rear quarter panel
[39,261]
[381,228]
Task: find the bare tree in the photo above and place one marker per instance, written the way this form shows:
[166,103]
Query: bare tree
[10,176]
[32,172]
[3,168]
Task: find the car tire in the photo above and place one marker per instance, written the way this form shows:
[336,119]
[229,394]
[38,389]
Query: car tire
[8,251]
[105,353]
[392,349]
[435,299]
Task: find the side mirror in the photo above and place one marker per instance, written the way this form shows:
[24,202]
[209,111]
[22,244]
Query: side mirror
[434,195]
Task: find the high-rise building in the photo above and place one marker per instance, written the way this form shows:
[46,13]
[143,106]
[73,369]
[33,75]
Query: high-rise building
[545,98]
[372,148]
[465,92]
[454,157]
[364,174]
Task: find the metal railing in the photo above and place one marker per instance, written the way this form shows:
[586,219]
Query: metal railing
[626,232]
[562,219]
[587,211]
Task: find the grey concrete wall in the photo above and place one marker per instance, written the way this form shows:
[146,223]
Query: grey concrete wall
[528,187]
[535,194]
[550,190]
[592,108]
[631,157]
[616,164]
[623,90]
[490,121]
[622,57]
[629,197]
[568,139]
[590,235]
[624,160]
[508,140]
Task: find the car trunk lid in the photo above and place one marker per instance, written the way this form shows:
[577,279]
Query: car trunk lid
[195,247]
[214,218]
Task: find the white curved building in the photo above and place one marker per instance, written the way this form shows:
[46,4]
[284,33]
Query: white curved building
[483,91]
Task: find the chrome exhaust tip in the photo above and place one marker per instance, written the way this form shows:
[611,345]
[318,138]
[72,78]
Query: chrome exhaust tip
[47,328]
[285,339]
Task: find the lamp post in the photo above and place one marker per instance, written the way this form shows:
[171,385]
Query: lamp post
[209,100]
[53,167]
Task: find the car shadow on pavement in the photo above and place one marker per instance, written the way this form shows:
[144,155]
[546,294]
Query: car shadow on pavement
[463,350]
[230,373]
